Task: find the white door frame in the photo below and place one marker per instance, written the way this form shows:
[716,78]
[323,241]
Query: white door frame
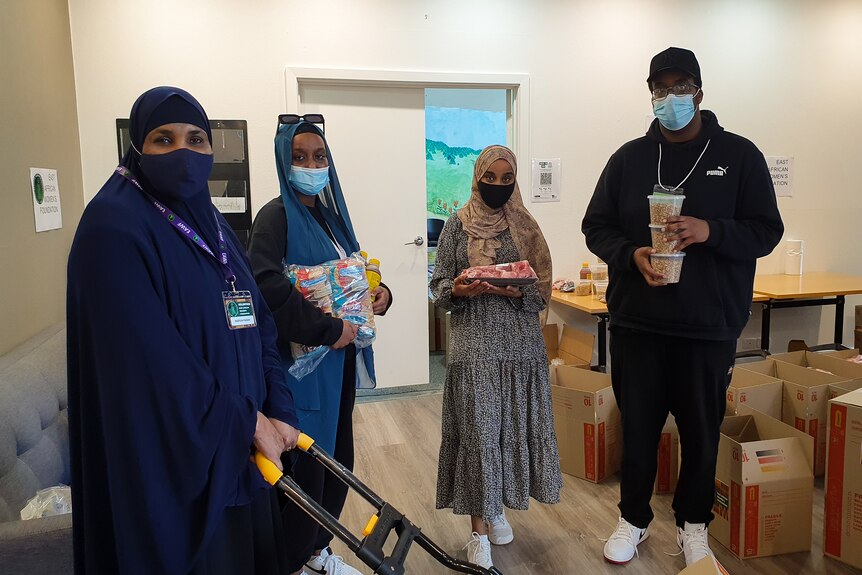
[519,84]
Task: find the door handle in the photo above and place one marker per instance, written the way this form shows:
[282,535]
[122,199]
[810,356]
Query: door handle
[418,241]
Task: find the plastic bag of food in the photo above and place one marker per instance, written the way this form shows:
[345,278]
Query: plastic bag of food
[313,283]
[351,297]
[48,502]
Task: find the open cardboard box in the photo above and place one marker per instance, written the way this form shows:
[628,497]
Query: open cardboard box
[804,406]
[587,423]
[764,486]
[755,390]
[572,346]
[706,566]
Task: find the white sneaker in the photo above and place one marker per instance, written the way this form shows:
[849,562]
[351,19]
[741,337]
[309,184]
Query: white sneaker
[329,564]
[500,532]
[479,551]
[694,542]
[622,545]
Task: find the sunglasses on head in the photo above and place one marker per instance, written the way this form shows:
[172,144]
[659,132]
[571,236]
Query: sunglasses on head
[296,118]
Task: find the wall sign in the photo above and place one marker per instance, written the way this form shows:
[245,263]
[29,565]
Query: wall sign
[546,181]
[781,170]
[46,199]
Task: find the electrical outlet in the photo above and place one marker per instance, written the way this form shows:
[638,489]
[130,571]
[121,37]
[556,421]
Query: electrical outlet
[748,344]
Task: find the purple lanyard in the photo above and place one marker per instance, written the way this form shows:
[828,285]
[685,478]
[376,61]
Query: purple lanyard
[186,230]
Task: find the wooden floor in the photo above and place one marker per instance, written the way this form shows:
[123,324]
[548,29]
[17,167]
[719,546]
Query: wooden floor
[396,455]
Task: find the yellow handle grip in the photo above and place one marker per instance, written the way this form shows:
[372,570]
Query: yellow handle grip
[268,469]
[304,442]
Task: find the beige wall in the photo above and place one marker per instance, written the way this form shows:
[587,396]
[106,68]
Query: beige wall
[38,115]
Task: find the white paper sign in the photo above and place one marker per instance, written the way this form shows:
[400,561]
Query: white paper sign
[546,181]
[45,190]
[229,205]
[781,170]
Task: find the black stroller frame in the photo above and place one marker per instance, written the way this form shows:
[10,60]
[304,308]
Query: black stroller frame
[369,549]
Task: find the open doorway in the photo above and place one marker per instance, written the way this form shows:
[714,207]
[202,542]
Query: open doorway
[459,123]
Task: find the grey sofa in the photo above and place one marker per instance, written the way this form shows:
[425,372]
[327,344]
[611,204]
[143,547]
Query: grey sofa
[34,454]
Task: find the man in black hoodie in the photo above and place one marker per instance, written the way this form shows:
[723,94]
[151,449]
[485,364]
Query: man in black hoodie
[673,344]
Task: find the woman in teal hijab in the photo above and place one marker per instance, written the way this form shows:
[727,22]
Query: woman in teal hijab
[309,224]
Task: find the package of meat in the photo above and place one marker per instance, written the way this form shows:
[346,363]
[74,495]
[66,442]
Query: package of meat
[512,274]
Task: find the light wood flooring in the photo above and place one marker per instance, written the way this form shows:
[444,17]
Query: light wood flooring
[396,455]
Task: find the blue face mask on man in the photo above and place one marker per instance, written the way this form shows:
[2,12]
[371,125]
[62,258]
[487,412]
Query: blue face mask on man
[309,181]
[675,112]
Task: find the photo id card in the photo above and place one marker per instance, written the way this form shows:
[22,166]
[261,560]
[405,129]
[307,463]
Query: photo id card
[238,309]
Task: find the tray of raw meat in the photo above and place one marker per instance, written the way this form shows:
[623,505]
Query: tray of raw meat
[513,274]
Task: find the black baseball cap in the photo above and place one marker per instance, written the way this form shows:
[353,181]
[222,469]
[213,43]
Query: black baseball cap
[675,59]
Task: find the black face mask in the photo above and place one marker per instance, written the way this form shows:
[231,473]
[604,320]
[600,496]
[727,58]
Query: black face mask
[495,196]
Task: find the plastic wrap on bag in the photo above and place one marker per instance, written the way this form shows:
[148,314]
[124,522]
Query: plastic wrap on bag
[351,297]
[313,283]
[48,502]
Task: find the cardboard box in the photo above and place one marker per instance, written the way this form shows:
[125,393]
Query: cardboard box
[842,517]
[842,353]
[839,389]
[668,458]
[764,486]
[706,566]
[757,391]
[587,423]
[833,363]
[805,401]
[574,347]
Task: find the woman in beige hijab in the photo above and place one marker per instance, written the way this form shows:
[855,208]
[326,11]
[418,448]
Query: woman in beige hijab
[498,447]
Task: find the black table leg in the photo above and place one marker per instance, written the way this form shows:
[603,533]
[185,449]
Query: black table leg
[764,327]
[602,329]
[839,322]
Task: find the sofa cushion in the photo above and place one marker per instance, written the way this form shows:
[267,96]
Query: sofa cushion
[34,429]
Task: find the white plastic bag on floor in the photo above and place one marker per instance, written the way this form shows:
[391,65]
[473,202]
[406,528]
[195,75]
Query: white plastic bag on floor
[47,502]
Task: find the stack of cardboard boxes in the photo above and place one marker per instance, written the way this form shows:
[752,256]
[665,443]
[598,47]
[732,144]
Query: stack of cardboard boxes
[774,441]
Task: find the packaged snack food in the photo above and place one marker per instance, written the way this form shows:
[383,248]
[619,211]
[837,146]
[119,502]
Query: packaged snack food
[351,297]
[313,283]
[662,206]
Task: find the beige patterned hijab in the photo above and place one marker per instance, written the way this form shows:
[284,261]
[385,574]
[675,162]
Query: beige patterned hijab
[483,224]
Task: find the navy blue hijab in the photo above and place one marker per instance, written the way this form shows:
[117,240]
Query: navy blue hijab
[309,244]
[163,397]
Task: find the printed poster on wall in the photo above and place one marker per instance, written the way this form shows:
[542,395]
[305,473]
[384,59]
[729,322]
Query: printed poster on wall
[46,199]
[781,170]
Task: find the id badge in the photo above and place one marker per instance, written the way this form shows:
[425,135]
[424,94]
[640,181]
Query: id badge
[659,190]
[238,309]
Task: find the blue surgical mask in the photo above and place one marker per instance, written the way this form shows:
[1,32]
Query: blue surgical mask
[309,181]
[180,174]
[675,112]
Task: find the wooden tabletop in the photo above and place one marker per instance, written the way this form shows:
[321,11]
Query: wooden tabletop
[590,304]
[587,303]
[811,284]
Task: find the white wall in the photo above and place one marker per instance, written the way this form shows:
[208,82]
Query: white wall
[784,73]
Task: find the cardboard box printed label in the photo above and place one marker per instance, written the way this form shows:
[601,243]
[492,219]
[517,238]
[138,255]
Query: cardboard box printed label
[806,395]
[842,518]
[667,472]
[587,423]
[764,486]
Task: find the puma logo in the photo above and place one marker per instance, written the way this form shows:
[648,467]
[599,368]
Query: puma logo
[719,171]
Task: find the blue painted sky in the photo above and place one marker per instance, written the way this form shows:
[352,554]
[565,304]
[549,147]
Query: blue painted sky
[460,127]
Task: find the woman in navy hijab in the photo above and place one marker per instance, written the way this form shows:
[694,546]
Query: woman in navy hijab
[308,224]
[174,373]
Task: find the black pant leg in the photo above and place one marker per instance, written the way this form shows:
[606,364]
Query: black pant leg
[699,401]
[300,530]
[639,378]
[334,490]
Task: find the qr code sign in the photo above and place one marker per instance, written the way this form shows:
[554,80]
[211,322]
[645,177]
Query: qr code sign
[545,179]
